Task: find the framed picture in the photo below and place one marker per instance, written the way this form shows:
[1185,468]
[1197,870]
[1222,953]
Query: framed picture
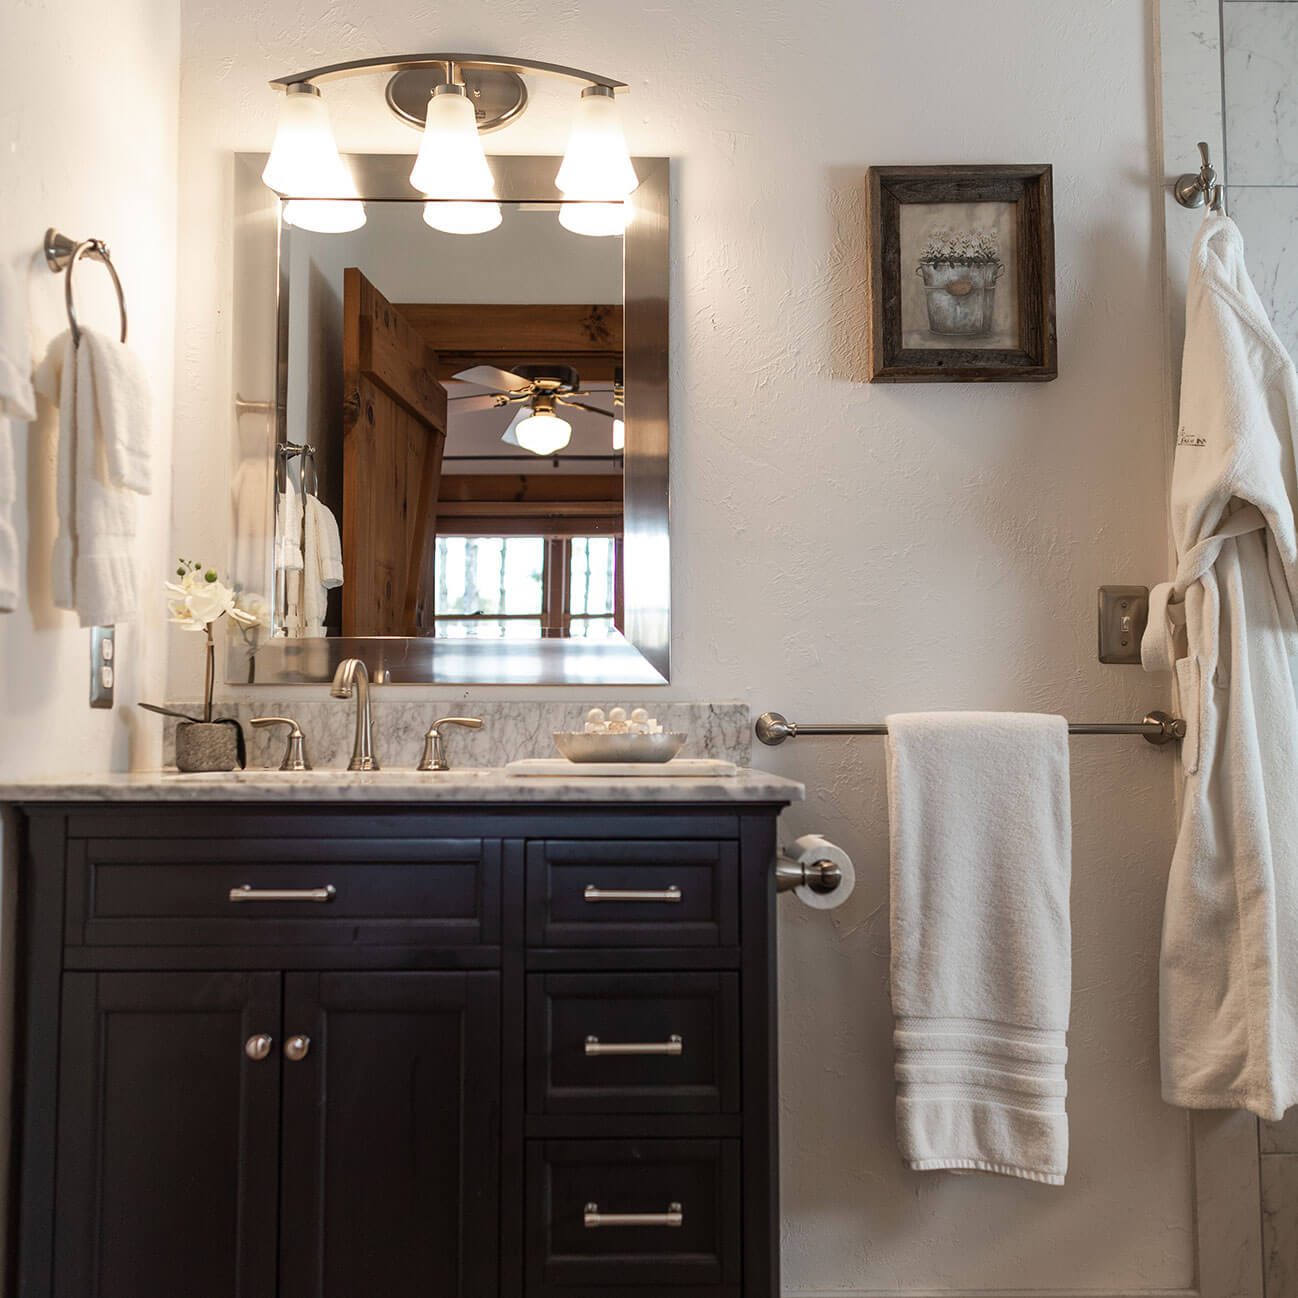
[961,274]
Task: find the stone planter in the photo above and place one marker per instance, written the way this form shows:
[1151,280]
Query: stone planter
[961,297]
[209,746]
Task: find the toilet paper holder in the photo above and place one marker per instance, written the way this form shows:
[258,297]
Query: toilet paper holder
[819,876]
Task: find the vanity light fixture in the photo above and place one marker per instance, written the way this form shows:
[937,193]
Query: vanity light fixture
[449,95]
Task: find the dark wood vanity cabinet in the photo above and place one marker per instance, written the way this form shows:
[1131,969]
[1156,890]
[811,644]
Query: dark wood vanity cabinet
[319,1052]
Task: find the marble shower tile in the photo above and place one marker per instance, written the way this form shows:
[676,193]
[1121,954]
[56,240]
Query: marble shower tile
[1261,69]
[1281,1137]
[1280,1225]
[1268,218]
[512,729]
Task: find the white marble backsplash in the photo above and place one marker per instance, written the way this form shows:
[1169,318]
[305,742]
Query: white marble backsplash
[512,729]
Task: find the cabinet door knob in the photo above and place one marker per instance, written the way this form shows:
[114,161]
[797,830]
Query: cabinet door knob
[295,1048]
[257,1047]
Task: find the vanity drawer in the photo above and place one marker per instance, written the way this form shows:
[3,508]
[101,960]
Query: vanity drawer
[664,893]
[681,1197]
[633,1043]
[337,892]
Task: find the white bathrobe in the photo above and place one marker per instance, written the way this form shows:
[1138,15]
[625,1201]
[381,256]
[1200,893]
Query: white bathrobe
[1226,625]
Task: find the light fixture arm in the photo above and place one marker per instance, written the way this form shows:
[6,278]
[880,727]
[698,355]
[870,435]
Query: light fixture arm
[407,62]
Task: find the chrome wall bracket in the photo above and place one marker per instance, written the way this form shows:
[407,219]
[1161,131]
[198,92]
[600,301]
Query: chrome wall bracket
[1195,188]
[819,876]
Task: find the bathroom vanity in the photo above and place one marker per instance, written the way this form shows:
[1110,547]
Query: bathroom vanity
[334,1036]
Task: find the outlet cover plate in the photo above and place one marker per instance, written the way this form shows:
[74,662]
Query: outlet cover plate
[1124,611]
[103,666]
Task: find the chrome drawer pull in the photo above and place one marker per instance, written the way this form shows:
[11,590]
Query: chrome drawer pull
[672,1046]
[593,1218]
[248,893]
[593,893]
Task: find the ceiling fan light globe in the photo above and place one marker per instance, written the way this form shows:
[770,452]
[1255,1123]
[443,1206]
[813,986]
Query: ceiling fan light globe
[594,218]
[452,217]
[451,162]
[542,434]
[619,434]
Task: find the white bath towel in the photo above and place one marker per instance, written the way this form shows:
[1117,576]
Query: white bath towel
[1226,625]
[123,410]
[322,553]
[289,560]
[17,406]
[94,563]
[981,949]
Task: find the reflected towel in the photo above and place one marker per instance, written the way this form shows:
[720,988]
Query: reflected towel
[323,564]
[17,403]
[981,950]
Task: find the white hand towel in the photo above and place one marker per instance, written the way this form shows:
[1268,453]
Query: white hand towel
[981,949]
[94,563]
[123,410]
[323,564]
[288,530]
[17,403]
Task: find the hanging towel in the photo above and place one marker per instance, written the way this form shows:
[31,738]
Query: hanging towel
[1225,625]
[94,564]
[123,422]
[323,564]
[289,560]
[17,404]
[981,950]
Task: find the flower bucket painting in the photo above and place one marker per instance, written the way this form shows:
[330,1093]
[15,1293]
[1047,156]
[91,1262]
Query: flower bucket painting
[960,273]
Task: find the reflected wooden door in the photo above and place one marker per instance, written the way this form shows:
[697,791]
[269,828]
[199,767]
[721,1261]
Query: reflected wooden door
[394,435]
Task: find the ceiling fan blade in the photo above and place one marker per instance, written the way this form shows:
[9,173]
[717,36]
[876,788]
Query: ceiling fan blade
[594,410]
[488,376]
[474,401]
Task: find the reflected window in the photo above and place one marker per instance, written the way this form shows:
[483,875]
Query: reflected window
[528,587]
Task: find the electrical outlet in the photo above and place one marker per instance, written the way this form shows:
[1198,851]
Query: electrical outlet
[103,667]
[1124,611]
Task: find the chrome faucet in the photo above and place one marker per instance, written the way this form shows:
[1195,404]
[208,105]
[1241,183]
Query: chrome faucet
[353,673]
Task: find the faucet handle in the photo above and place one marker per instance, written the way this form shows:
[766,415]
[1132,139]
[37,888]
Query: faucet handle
[295,750]
[434,758]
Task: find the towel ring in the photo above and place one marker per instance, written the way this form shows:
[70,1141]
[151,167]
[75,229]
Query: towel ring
[62,253]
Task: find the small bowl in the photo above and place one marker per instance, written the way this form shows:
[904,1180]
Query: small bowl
[577,746]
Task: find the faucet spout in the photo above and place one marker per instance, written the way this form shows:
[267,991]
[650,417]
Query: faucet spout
[351,677]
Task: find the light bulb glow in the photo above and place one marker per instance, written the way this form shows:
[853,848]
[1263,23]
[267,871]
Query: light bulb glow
[304,159]
[325,216]
[461,218]
[451,162]
[596,166]
[542,433]
[595,218]
[619,434]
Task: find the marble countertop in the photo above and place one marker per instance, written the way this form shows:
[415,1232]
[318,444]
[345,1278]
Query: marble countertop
[470,785]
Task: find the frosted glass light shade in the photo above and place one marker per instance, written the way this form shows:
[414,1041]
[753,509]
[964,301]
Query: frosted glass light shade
[542,434]
[451,162]
[595,218]
[462,218]
[304,158]
[619,434]
[597,166]
[328,216]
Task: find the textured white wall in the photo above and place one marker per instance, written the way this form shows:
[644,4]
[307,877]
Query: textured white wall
[842,550]
[88,105]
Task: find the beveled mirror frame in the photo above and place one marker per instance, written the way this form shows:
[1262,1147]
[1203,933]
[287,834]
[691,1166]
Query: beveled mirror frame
[640,656]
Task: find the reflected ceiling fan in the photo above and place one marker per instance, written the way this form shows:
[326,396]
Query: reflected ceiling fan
[536,390]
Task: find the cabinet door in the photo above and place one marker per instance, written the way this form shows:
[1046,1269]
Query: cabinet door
[167,1136]
[391,1135]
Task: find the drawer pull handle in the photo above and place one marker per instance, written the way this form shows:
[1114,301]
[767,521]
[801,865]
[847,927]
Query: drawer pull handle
[672,1046]
[248,893]
[592,893]
[592,1218]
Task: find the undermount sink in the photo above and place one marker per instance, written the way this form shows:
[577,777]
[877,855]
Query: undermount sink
[332,776]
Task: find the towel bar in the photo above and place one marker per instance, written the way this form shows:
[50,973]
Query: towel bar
[1157,727]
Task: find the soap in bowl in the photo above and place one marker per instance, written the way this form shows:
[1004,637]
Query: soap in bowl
[577,746]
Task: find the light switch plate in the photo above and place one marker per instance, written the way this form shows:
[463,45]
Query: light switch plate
[103,666]
[1124,611]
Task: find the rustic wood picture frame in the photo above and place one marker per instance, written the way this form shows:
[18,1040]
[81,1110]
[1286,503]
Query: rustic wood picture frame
[887,190]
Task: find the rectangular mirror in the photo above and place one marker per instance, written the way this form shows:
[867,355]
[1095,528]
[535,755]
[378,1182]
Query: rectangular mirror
[483,416]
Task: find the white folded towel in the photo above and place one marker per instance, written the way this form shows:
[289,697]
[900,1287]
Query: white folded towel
[17,403]
[981,949]
[123,410]
[322,552]
[94,563]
